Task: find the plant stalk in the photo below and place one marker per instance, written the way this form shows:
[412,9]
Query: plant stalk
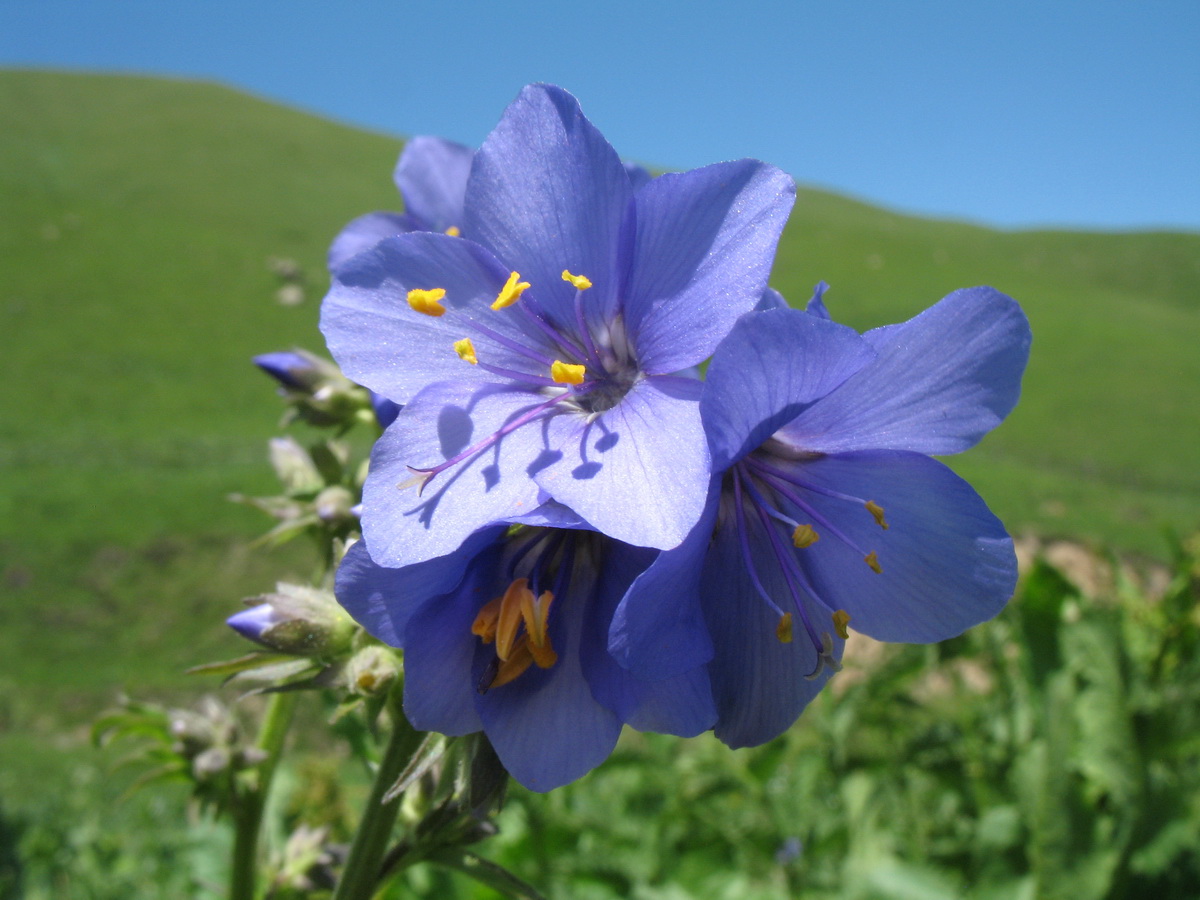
[360,878]
[248,808]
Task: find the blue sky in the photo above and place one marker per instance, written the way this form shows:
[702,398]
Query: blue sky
[1052,113]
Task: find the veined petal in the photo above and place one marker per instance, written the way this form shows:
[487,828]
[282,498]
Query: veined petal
[703,248]
[439,686]
[947,562]
[382,599]
[382,343]
[446,418]
[658,629]
[432,177]
[638,472]
[770,367]
[365,232]
[546,726]
[759,683]
[680,703]
[941,381]
[548,193]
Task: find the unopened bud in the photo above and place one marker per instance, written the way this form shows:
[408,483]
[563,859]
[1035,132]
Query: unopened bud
[295,619]
[371,671]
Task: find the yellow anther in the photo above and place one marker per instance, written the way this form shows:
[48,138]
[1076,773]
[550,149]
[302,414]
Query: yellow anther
[511,292]
[804,536]
[454,231]
[427,301]
[841,619]
[466,350]
[509,618]
[536,614]
[566,373]
[511,668]
[783,630]
[877,511]
[872,560]
[580,281]
[484,626]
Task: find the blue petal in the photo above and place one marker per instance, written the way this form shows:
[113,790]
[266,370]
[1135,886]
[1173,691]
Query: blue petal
[639,472]
[770,366]
[638,174]
[547,727]
[440,649]
[383,344]
[816,303]
[658,630]
[941,381]
[382,599]
[548,193]
[703,248]
[759,683]
[432,177]
[364,233]
[402,527]
[947,562]
[676,703]
[770,299]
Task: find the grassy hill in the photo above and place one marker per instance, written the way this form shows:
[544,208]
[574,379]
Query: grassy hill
[138,218]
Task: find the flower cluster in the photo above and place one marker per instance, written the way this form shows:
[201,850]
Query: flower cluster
[565,529]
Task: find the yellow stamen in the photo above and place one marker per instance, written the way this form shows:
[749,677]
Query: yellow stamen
[454,231]
[509,619]
[877,511]
[783,630]
[484,626]
[427,301]
[466,351]
[512,290]
[872,560]
[804,536]
[580,281]
[513,667]
[841,619]
[566,373]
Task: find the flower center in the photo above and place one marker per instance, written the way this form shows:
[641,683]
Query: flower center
[540,565]
[770,504]
[587,372]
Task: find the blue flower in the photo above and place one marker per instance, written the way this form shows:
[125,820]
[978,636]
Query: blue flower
[431,175]
[534,354]
[825,511]
[507,635]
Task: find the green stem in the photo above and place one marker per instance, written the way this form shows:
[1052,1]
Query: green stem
[248,808]
[360,878]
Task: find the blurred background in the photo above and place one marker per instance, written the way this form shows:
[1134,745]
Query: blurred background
[170,179]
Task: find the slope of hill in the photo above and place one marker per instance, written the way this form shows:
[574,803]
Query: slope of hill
[138,218]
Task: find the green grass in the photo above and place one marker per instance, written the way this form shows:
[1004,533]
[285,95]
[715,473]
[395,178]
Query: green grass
[139,216]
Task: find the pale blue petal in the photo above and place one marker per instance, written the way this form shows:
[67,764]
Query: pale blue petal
[382,343]
[658,630]
[771,299]
[704,245]
[941,381]
[759,683]
[381,599]
[947,562]
[548,193]
[639,472]
[439,686]
[432,177]
[445,419]
[679,703]
[365,232]
[767,370]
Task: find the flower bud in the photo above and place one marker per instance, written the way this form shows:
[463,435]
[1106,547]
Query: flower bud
[294,369]
[295,619]
[335,505]
[371,671]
